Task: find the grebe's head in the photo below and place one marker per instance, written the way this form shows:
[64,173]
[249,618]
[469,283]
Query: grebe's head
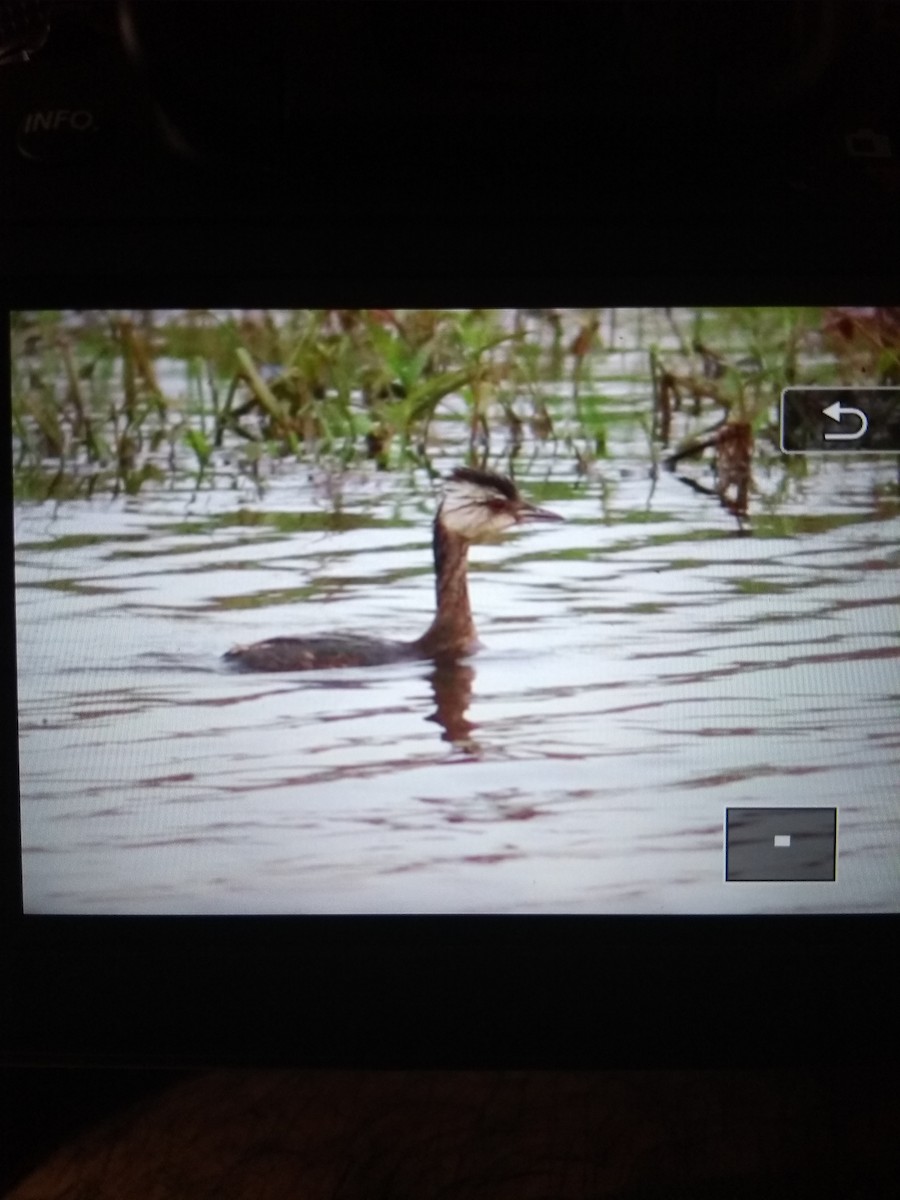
[479,505]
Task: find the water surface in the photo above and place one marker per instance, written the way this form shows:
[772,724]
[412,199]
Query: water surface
[644,665]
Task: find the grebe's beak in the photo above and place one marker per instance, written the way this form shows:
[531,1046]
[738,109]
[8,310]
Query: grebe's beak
[524,512]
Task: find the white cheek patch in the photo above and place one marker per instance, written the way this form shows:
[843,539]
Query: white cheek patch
[464,512]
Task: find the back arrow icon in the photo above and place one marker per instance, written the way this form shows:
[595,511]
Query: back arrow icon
[838,410]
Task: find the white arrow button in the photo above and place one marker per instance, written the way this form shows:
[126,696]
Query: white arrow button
[838,410]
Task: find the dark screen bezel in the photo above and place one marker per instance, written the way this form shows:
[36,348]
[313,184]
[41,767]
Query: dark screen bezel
[453,992]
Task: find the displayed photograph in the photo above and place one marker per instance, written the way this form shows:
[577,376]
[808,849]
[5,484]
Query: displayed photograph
[458,611]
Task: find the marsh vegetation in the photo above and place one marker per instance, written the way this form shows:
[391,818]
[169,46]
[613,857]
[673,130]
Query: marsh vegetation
[121,401]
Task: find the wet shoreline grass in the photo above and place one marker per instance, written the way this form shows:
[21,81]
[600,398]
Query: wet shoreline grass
[115,402]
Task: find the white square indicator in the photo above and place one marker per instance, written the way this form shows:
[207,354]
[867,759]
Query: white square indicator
[780,843]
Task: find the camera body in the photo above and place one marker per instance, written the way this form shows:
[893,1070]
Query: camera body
[253,156]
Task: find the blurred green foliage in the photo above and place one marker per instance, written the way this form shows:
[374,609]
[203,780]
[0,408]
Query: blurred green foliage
[111,401]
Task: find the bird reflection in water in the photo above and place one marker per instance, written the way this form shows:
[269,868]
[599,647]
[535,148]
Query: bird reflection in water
[452,685]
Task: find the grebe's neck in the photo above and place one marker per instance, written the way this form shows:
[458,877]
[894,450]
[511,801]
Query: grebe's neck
[452,632]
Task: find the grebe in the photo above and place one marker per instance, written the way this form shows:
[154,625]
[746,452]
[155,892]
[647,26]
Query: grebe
[477,505]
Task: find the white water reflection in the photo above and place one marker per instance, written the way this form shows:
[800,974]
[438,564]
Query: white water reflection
[644,667]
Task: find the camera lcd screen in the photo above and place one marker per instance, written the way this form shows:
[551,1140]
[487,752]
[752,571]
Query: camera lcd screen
[466,611]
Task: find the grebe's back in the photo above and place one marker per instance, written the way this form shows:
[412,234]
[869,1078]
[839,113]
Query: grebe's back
[320,653]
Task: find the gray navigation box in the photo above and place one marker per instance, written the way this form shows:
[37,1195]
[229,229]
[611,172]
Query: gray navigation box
[840,420]
[780,844]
